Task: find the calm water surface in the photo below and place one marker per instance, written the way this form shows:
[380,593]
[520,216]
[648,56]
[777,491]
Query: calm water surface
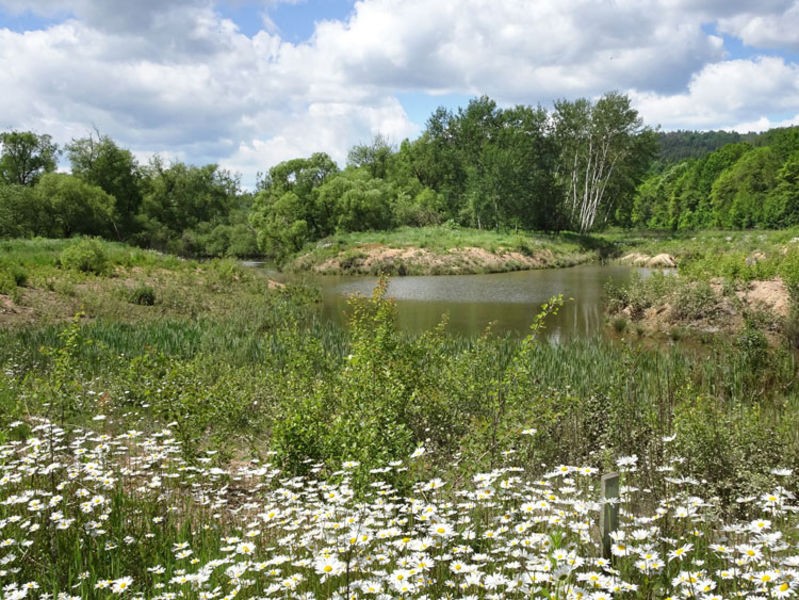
[509,301]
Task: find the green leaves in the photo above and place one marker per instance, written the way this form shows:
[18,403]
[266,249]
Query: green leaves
[26,156]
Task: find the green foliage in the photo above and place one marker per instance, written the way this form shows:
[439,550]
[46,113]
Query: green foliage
[26,156]
[86,256]
[23,212]
[677,146]
[179,197]
[285,213]
[739,185]
[604,153]
[8,286]
[143,295]
[100,162]
[75,207]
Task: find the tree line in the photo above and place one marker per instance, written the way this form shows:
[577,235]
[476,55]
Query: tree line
[174,207]
[580,166]
[740,185]
[481,166]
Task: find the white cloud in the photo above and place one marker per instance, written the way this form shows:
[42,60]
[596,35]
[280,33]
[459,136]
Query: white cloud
[180,79]
[726,95]
[774,29]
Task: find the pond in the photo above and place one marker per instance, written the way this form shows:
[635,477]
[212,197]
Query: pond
[508,301]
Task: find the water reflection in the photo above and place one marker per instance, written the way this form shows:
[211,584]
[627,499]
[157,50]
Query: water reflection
[509,301]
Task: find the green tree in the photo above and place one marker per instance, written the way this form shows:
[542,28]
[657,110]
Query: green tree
[782,206]
[374,157]
[739,194]
[99,161]
[26,156]
[604,151]
[436,160]
[74,206]
[357,202]
[23,213]
[179,197]
[285,212]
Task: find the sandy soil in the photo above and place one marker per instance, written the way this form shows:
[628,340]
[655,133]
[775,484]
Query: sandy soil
[376,258]
[770,299]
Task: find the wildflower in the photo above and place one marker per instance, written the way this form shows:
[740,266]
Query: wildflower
[782,472]
[418,452]
[759,525]
[329,566]
[245,548]
[749,553]
[681,552]
[442,530]
[121,585]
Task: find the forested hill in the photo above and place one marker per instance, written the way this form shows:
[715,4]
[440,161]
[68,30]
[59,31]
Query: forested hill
[751,182]
[675,146]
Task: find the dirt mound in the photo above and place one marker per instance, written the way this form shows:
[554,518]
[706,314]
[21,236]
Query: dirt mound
[718,309]
[659,261]
[374,258]
[771,295]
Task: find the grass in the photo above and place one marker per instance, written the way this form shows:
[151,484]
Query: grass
[224,441]
[553,249]
[97,514]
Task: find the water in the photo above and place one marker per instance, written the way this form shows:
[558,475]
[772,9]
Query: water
[507,301]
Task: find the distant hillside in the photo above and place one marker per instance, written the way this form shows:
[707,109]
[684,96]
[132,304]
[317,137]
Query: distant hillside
[681,145]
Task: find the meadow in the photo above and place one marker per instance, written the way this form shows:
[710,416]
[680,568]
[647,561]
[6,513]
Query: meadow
[181,429]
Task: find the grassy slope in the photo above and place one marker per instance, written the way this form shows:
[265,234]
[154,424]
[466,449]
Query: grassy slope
[505,251]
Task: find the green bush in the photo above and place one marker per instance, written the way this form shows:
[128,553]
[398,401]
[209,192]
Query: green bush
[12,276]
[143,295]
[8,286]
[87,256]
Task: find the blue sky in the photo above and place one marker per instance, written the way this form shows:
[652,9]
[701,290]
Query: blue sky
[249,83]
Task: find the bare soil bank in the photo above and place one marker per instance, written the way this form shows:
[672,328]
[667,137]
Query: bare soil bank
[725,310]
[373,259]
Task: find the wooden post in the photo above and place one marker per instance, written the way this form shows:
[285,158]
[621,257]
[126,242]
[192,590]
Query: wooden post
[609,517]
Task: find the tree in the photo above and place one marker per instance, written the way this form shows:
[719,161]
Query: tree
[22,213]
[739,194]
[357,202]
[603,146]
[26,156]
[373,157]
[74,206]
[285,212]
[782,208]
[99,161]
[178,197]
[510,180]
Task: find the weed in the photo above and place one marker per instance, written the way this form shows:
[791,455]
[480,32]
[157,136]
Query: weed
[143,295]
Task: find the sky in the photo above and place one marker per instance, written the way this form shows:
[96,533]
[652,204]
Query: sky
[247,84]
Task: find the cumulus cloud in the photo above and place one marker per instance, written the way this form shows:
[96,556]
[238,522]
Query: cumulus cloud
[726,95]
[180,78]
[773,29]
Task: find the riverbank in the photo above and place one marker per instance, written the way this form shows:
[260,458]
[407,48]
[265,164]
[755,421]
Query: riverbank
[444,251]
[208,415]
[725,283]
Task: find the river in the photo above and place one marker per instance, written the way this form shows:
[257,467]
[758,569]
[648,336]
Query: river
[509,301]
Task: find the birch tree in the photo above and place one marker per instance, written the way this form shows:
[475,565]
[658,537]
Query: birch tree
[604,148]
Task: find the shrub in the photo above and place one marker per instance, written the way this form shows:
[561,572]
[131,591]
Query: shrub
[12,276]
[143,295]
[87,256]
[8,286]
